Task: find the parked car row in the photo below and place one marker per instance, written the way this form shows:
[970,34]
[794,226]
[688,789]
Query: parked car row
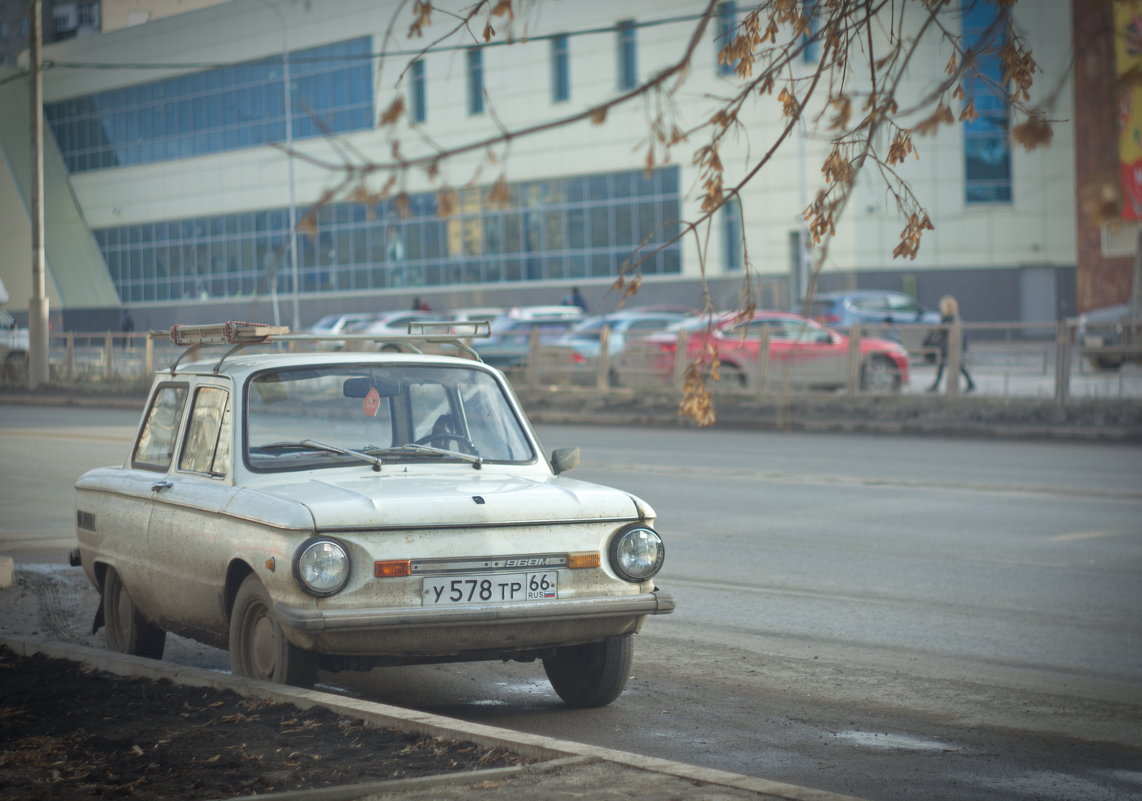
[802,352]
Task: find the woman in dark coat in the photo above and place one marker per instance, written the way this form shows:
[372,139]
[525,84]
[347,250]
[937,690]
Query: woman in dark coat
[949,314]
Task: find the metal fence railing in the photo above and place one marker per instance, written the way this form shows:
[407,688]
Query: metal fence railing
[1041,360]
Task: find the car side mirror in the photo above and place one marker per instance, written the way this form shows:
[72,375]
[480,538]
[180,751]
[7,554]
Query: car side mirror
[564,459]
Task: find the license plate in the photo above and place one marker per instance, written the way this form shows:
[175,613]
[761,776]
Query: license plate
[494,588]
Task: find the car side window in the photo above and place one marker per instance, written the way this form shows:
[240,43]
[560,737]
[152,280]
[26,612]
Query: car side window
[206,448]
[155,447]
[876,303]
[903,305]
[431,412]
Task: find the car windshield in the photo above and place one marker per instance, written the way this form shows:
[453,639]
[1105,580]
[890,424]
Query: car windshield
[332,416]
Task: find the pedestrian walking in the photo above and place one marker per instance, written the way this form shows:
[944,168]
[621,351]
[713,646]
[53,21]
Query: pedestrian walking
[938,338]
[126,325]
[573,298]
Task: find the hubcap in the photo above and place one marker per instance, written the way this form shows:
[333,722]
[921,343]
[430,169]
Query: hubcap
[263,645]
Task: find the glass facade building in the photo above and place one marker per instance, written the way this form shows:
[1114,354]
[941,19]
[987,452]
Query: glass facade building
[987,152]
[559,229]
[216,110]
[554,230]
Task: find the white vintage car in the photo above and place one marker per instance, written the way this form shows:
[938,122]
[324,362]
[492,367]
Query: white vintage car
[352,510]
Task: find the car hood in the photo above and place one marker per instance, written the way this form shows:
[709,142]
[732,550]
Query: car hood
[408,501]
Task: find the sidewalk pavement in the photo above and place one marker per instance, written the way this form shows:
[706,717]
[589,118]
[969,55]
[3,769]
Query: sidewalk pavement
[562,770]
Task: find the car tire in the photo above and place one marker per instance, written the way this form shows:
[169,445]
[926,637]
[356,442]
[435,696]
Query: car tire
[590,675]
[16,367]
[1106,362]
[879,374]
[258,646]
[731,377]
[127,631]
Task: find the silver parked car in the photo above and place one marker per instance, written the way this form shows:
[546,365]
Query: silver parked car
[350,510]
[1110,336]
[878,312]
[13,348]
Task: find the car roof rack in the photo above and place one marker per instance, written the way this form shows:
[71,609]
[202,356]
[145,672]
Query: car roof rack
[239,335]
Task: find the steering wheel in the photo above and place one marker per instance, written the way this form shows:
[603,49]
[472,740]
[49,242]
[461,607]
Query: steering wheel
[466,444]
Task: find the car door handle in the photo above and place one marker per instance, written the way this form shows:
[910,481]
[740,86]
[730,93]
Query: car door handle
[158,486]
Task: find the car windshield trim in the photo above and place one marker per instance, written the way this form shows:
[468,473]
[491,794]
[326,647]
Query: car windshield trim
[296,417]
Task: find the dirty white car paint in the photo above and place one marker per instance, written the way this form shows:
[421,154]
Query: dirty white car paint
[350,510]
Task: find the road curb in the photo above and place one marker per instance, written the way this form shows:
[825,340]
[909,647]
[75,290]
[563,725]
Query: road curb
[548,751]
[1021,419]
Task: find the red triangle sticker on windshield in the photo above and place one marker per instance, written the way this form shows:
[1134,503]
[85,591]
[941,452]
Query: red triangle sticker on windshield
[372,403]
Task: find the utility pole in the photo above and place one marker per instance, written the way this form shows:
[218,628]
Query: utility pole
[38,303]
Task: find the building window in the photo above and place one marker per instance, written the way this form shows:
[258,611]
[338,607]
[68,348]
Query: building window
[987,152]
[217,110]
[627,55]
[552,230]
[417,107]
[560,69]
[475,81]
[87,14]
[811,48]
[727,30]
[732,234]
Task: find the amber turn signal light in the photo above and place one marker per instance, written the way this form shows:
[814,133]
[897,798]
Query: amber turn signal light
[578,561]
[392,569]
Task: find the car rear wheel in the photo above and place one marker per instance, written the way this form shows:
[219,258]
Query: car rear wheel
[731,377]
[128,632]
[879,374]
[258,646]
[1105,362]
[590,675]
[16,367]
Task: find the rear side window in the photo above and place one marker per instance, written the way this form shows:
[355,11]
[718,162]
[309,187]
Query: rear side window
[207,445]
[876,303]
[902,304]
[155,448]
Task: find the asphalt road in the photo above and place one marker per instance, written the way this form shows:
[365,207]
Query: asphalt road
[890,617]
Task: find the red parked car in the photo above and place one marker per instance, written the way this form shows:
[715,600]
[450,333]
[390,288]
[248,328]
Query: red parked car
[802,353]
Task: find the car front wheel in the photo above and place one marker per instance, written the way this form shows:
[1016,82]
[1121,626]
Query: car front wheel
[128,632]
[258,646]
[879,374]
[590,675]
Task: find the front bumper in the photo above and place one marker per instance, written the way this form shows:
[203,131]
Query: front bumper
[316,620]
[471,627]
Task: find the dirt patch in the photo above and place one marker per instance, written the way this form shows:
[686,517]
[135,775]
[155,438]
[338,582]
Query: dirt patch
[70,732]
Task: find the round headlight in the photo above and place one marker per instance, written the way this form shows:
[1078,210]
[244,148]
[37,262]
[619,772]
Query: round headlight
[637,553]
[322,566]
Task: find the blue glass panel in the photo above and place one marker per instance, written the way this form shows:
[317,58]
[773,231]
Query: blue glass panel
[725,33]
[560,69]
[153,128]
[812,47]
[627,57]
[987,152]
[475,58]
[417,100]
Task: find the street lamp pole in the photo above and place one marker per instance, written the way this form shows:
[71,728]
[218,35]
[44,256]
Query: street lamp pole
[287,89]
[38,303]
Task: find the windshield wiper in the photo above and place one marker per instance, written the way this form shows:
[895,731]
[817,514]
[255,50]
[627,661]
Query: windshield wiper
[412,449]
[313,444]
